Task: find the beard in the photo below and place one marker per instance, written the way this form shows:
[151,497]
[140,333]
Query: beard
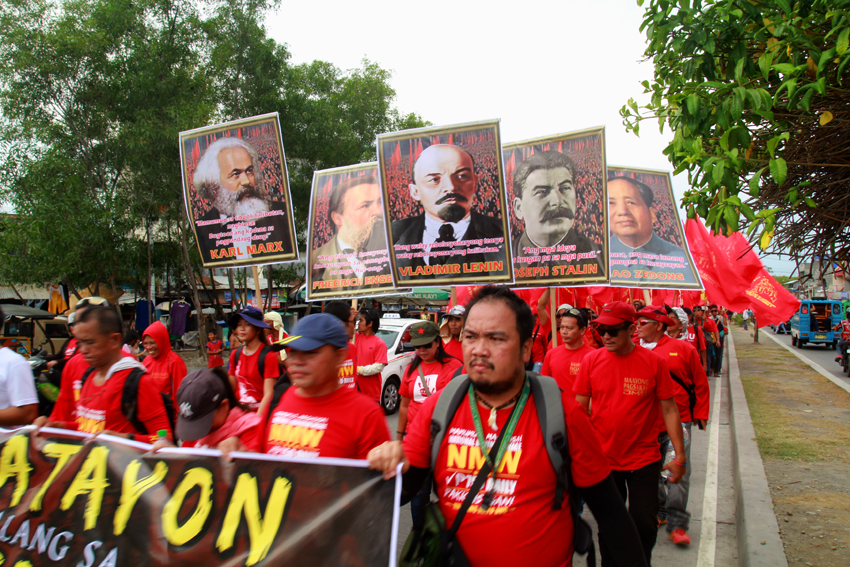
[452,212]
[487,387]
[247,201]
[357,236]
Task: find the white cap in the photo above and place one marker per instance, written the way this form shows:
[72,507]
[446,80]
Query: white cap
[457,311]
[565,306]
[72,317]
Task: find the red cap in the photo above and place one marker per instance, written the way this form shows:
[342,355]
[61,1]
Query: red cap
[655,313]
[616,313]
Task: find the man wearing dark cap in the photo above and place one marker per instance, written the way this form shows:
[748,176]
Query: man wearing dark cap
[317,417]
[628,386]
[355,214]
[688,375]
[253,387]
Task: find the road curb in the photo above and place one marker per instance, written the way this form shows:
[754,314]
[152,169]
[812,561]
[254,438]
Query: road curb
[759,544]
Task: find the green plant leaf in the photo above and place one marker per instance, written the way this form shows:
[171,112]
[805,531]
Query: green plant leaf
[778,170]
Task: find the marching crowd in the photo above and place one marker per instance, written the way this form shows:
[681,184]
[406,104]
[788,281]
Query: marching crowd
[507,451]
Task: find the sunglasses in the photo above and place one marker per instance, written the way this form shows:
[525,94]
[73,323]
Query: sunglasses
[643,322]
[611,331]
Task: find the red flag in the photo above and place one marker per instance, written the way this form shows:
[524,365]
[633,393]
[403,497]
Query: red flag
[396,157]
[239,133]
[418,148]
[451,140]
[196,151]
[739,253]
[691,298]
[771,303]
[723,284]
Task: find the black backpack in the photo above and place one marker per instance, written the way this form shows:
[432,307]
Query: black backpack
[130,398]
[550,414]
[280,387]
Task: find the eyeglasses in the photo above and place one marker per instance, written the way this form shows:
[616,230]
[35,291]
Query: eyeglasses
[611,331]
[643,322]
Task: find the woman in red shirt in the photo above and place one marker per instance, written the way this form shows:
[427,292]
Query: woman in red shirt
[428,373]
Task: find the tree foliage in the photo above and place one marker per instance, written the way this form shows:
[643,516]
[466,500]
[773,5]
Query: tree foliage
[92,96]
[755,94]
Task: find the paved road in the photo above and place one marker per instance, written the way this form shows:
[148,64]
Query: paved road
[820,355]
[712,544]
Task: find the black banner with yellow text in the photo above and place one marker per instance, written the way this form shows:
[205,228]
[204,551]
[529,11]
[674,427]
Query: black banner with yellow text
[69,500]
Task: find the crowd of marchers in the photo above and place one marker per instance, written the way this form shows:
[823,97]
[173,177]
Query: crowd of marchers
[627,386]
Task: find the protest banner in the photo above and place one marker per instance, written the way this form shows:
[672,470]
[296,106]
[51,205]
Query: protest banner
[647,245]
[236,191]
[347,251]
[444,204]
[556,199]
[68,499]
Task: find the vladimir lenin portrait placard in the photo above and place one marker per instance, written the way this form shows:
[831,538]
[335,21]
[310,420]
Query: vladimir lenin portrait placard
[236,191]
[347,246]
[648,246]
[445,205]
[557,201]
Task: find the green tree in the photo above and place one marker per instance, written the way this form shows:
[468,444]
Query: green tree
[753,93]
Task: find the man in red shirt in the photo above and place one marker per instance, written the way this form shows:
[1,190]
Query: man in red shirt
[520,526]
[696,336]
[164,365]
[317,417]
[562,363]
[371,353]
[348,317]
[454,320]
[100,338]
[254,391]
[540,338]
[628,385]
[686,372]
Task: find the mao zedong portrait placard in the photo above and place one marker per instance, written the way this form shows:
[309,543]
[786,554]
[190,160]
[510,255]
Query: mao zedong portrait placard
[632,217]
[444,182]
[244,220]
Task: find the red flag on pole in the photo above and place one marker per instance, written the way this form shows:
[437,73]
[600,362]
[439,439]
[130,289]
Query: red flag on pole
[723,284]
[771,303]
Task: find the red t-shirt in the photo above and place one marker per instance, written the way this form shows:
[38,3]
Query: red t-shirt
[454,348]
[368,351]
[71,349]
[563,365]
[248,375]
[683,361]
[437,375]
[696,337]
[167,372]
[247,426]
[539,344]
[348,370]
[520,523]
[344,425]
[709,325]
[625,391]
[100,406]
[215,360]
[65,408]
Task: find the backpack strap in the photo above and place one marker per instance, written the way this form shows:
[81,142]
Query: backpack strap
[236,354]
[130,398]
[691,391]
[86,375]
[280,387]
[447,404]
[550,413]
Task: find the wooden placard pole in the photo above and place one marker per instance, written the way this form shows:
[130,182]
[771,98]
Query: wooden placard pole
[255,271]
[553,313]
[454,295]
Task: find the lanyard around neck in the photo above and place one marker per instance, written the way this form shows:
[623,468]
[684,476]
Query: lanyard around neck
[506,437]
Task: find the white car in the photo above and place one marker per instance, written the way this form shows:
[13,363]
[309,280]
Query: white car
[395,333]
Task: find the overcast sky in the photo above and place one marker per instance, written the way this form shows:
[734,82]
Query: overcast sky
[541,66]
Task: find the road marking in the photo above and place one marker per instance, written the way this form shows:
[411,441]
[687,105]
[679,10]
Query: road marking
[708,533]
[814,365]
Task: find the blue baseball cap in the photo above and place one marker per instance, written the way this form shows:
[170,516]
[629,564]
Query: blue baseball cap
[315,331]
[251,314]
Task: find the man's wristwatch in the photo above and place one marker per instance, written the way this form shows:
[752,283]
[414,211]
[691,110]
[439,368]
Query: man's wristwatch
[131,436]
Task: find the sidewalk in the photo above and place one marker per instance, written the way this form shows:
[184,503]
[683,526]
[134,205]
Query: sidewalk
[800,420]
